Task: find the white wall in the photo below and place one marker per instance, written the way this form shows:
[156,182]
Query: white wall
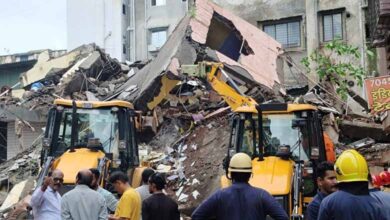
[96,21]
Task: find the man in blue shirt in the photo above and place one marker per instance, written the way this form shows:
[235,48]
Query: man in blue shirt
[241,200]
[326,182]
[352,200]
[111,201]
[381,196]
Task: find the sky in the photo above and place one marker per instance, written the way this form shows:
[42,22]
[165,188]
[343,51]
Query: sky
[31,25]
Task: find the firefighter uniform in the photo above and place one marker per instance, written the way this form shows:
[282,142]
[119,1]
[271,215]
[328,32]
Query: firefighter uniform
[353,200]
[241,200]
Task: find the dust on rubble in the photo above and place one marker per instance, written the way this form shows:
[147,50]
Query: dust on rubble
[192,161]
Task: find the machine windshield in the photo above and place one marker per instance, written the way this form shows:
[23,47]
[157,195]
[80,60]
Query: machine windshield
[98,124]
[278,131]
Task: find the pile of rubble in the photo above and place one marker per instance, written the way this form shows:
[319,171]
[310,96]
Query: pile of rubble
[17,176]
[192,160]
[364,132]
[85,73]
[190,121]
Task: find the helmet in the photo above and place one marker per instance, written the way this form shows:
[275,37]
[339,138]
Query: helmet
[385,177]
[376,181]
[351,167]
[240,163]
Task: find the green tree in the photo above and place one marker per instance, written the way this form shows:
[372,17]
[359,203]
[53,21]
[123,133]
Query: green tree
[336,63]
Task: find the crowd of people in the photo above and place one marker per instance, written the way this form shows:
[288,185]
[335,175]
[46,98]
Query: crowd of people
[90,201]
[344,192]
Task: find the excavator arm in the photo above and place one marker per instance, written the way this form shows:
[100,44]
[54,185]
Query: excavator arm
[222,84]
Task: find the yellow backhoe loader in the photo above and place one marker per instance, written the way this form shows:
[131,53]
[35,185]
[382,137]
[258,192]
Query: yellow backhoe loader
[82,135]
[285,141]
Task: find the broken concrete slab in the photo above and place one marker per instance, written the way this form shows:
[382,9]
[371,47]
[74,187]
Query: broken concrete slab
[91,96]
[13,196]
[13,112]
[386,123]
[249,55]
[357,130]
[364,143]
[43,66]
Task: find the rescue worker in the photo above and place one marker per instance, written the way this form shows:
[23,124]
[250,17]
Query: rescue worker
[352,200]
[375,191]
[326,182]
[240,200]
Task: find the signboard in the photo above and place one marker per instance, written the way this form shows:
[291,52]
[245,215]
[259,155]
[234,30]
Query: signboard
[378,93]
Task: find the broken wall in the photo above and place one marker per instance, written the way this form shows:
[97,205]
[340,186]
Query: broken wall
[19,139]
[250,56]
[309,13]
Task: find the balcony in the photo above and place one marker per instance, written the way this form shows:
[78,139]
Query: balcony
[379,21]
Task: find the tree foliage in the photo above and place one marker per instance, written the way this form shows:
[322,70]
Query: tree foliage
[336,62]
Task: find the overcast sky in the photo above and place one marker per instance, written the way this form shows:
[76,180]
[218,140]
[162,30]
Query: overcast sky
[31,25]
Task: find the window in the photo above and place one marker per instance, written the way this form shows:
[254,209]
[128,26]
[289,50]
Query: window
[332,27]
[123,9]
[158,37]
[288,33]
[158,2]
[92,123]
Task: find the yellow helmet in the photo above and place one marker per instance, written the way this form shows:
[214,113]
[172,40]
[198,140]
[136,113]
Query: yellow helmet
[351,167]
[240,163]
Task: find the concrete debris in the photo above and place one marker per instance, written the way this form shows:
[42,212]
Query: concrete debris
[242,49]
[358,128]
[195,181]
[86,73]
[50,68]
[195,161]
[183,198]
[194,146]
[364,143]
[185,124]
[13,196]
[377,155]
[195,194]
[178,193]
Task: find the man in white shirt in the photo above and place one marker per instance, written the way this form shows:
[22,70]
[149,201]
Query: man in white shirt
[143,190]
[46,201]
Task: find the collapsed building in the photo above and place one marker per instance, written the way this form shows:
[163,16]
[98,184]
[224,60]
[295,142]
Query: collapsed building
[185,123]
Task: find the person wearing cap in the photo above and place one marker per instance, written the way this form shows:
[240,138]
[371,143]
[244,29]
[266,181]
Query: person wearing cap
[240,200]
[159,206]
[352,200]
[375,191]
